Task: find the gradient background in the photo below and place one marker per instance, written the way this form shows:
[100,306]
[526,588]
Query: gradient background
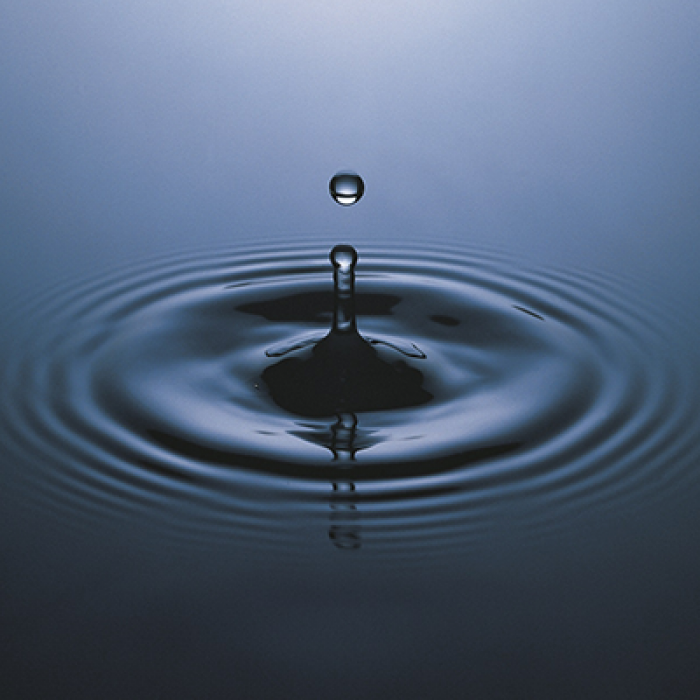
[564,131]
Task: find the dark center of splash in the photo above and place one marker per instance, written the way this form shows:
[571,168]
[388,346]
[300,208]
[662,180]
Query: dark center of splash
[343,372]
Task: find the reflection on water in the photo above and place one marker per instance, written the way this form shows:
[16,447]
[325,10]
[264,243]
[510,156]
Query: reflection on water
[226,519]
[156,389]
[344,531]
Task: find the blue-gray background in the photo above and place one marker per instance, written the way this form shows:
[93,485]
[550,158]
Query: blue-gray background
[563,130]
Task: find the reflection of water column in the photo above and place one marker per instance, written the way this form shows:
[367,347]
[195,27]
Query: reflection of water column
[343,435]
[344,531]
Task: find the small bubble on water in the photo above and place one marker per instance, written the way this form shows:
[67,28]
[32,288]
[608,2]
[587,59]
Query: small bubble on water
[346,188]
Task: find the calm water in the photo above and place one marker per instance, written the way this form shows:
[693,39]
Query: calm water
[493,495]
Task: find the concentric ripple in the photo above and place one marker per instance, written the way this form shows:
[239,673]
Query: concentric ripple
[143,391]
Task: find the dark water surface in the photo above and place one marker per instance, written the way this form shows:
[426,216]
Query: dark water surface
[524,529]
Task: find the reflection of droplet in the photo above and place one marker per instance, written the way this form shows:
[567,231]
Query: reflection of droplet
[344,531]
[344,537]
[344,432]
[346,188]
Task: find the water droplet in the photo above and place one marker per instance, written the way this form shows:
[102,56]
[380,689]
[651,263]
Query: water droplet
[346,187]
[344,257]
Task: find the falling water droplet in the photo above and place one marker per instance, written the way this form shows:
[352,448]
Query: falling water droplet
[346,187]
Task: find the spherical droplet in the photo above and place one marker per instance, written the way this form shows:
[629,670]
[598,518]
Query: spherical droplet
[346,187]
[344,257]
